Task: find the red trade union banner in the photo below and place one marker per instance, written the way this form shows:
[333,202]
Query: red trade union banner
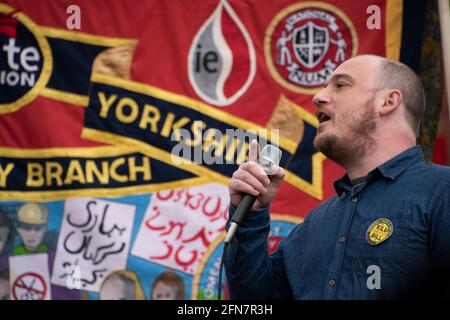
[91,112]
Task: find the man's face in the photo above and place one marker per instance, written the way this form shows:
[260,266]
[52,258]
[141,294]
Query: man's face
[161,291]
[4,233]
[346,110]
[32,236]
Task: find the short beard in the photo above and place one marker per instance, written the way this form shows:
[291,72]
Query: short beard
[345,150]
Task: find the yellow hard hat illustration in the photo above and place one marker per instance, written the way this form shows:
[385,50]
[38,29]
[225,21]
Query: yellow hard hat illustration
[33,213]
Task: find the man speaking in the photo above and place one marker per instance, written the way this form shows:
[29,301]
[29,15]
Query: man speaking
[386,232]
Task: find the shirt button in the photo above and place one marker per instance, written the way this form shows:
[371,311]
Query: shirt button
[332,282]
[342,239]
[354,199]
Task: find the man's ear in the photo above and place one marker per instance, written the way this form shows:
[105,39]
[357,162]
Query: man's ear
[392,99]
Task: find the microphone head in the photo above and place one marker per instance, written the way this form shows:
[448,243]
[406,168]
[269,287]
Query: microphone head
[269,155]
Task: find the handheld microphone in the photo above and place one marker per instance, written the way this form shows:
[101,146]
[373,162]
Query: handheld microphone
[269,156]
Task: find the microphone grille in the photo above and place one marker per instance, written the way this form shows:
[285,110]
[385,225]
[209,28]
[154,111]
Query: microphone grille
[268,156]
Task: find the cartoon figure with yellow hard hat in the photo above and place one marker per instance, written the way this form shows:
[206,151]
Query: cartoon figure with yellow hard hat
[32,221]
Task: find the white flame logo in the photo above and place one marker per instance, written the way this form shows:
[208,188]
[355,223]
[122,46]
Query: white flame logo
[218,75]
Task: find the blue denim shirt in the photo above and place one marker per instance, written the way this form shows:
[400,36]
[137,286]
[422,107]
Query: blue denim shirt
[328,255]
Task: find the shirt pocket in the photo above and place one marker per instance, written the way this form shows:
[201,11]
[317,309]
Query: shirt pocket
[382,282]
[388,255]
[387,264]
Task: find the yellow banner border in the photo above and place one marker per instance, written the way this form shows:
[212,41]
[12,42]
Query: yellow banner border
[313,189]
[86,152]
[55,195]
[81,37]
[393,28]
[190,103]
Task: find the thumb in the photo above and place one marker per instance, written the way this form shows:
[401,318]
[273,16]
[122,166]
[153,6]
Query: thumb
[277,176]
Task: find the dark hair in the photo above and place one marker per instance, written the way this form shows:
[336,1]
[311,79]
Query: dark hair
[396,75]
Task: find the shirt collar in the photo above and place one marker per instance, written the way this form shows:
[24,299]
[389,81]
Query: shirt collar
[390,169]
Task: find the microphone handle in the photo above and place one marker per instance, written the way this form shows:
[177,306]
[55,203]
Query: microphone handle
[243,208]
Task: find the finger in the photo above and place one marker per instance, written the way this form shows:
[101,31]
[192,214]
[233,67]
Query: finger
[275,169]
[253,150]
[278,176]
[250,179]
[239,186]
[257,171]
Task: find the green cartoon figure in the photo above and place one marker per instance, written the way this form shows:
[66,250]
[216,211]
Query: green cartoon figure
[32,221]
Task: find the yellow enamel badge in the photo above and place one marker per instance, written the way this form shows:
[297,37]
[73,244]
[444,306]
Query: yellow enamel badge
[379,231]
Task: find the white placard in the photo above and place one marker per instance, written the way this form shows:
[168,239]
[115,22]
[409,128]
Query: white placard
[180,224]
[29,277]
[94,241]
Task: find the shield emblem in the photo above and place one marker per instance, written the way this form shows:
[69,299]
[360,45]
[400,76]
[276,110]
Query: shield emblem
[310,44]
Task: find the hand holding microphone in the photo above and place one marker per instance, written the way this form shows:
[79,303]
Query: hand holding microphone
[250,186]
[251,189]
